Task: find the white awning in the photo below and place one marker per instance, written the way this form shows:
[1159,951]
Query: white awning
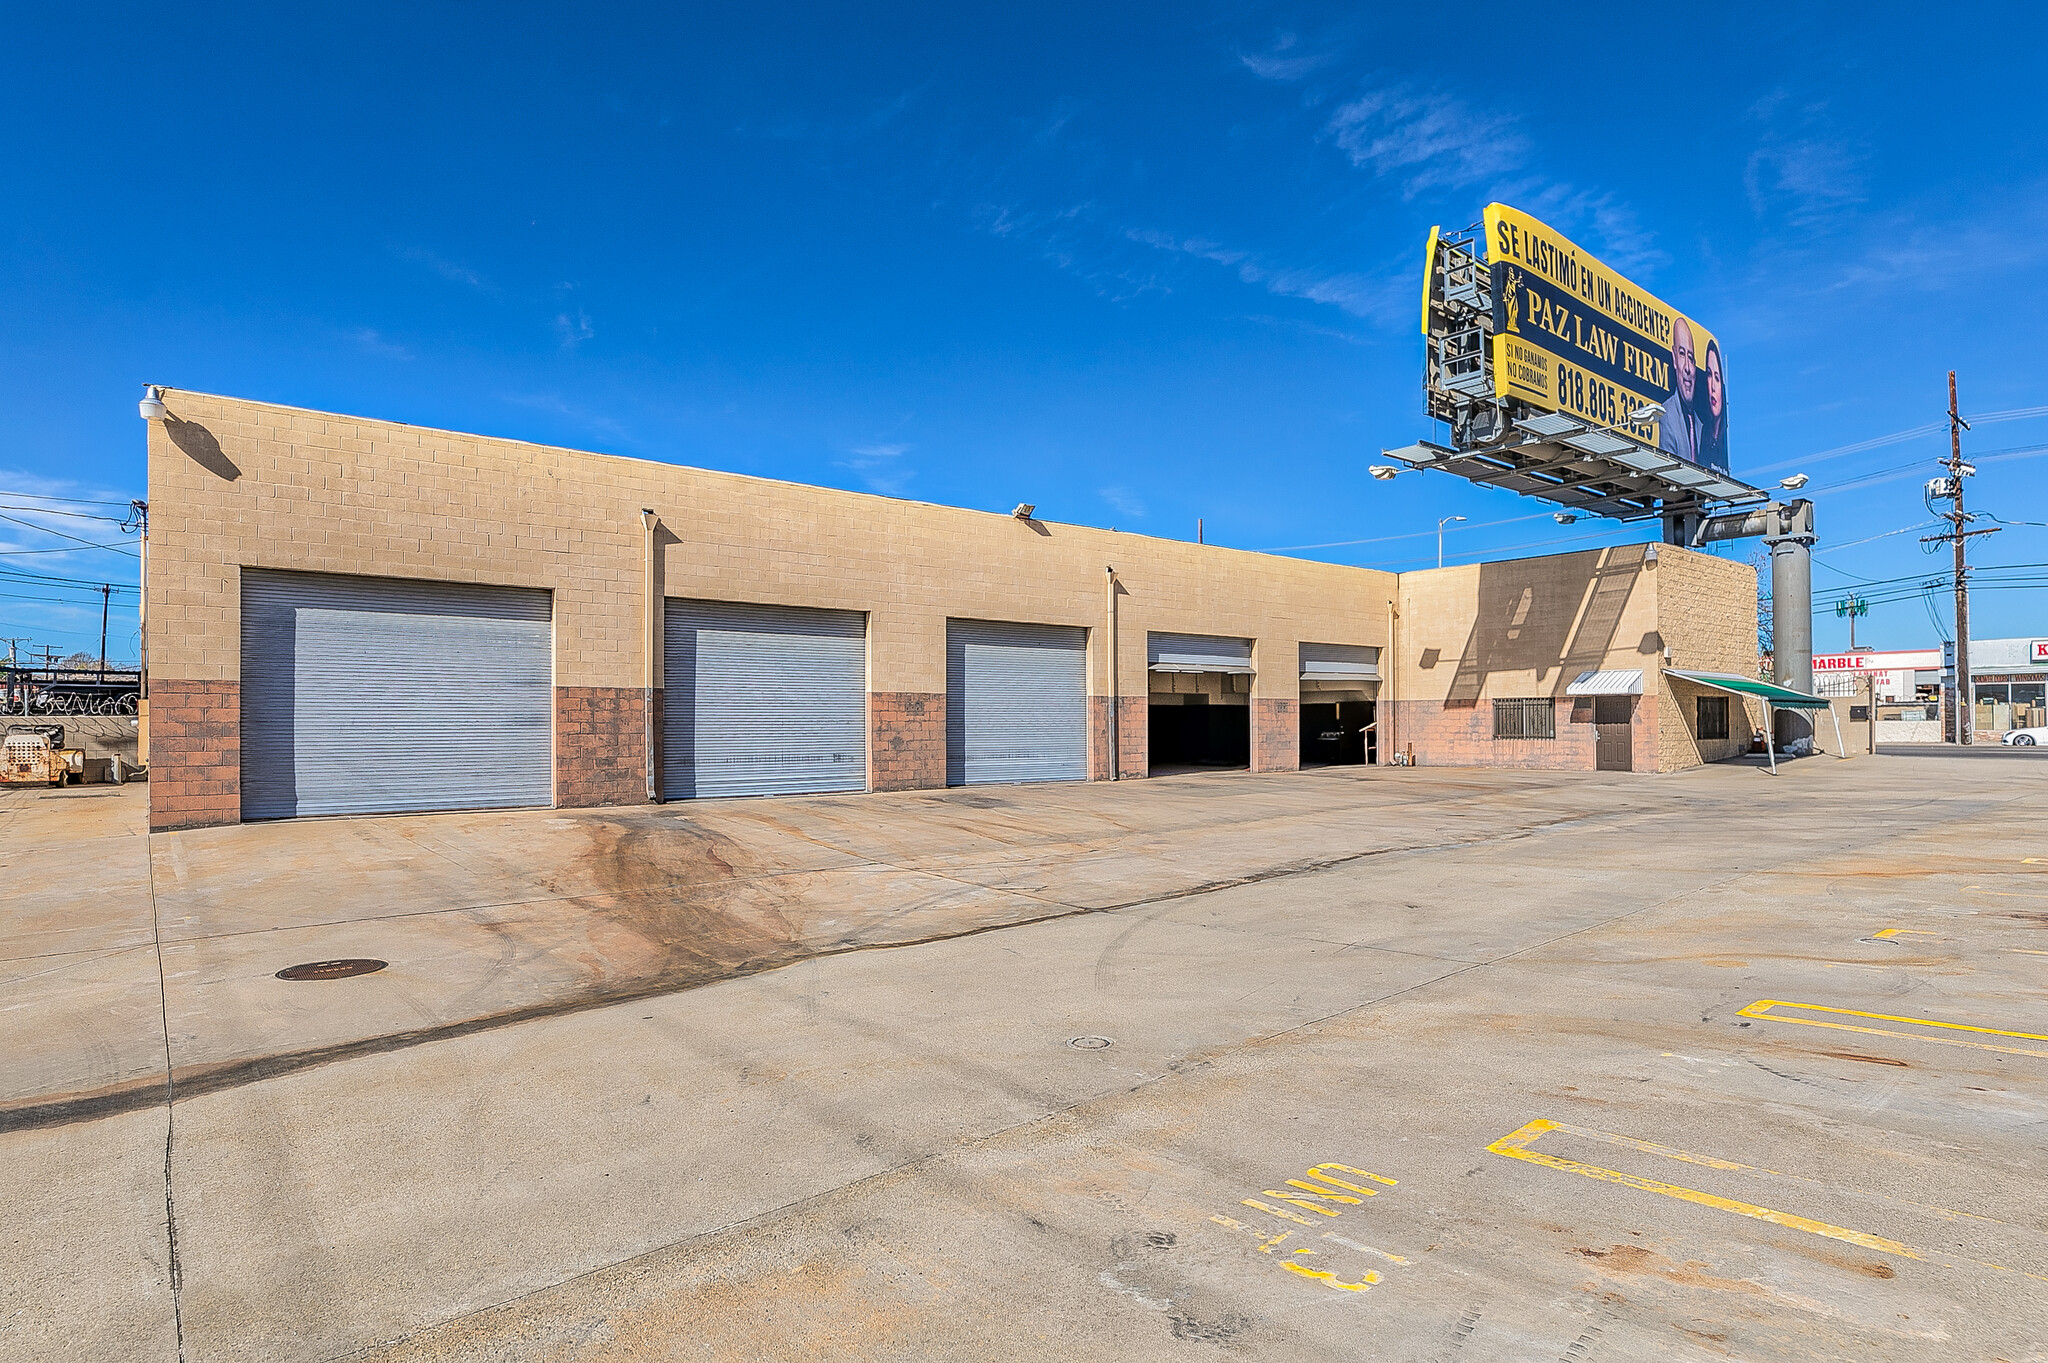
[1607,684]
[1340,662]
[1198,653]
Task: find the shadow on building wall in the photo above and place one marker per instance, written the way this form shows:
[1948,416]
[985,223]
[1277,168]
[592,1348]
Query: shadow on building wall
[1554,624]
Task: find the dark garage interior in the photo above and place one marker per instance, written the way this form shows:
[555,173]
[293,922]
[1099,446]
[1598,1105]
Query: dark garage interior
[1200,735]
[1337,733]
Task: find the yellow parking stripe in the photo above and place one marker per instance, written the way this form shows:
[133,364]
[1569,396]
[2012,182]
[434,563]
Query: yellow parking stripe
[1762,1009]
[1515,1146]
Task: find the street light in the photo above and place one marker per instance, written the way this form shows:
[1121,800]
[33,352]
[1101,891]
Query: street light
[1440,537]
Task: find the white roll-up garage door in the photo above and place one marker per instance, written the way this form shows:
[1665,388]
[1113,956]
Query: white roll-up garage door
[1198,653]
[1016,702]
[377,695]
[762,700]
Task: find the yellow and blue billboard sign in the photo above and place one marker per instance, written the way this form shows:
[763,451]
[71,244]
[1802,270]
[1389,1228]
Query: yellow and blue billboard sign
[1571,335]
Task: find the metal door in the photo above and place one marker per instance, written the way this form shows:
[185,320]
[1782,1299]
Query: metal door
[1198,653]
[1016,702]
[377,695]
[762,700]
[1614,735]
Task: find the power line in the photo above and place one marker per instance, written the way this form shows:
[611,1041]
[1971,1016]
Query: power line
[46,530]
[75,515]
[45,497]
[18,575]
[1898,437]
[1384,539]
[111,548]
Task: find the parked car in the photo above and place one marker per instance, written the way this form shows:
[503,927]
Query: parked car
[2025,738]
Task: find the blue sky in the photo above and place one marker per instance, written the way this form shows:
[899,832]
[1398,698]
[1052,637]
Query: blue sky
[1134,264]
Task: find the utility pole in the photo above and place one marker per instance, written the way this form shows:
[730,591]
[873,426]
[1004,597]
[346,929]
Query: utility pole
[1951,490]
[1852,607]
[9,686]
[106,598]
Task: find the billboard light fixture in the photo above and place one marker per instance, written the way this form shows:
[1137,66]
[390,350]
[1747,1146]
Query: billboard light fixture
[1383,472]
[1794,483]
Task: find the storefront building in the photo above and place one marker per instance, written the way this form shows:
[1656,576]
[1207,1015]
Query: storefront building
[351,616]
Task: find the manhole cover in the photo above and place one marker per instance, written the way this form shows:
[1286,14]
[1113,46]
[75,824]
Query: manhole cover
[1089,1043]
[337,970]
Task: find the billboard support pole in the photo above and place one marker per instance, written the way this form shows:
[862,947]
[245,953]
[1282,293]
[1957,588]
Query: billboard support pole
[1790,542]
[1680,527]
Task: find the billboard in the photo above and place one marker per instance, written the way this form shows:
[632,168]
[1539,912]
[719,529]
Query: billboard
[1571,335]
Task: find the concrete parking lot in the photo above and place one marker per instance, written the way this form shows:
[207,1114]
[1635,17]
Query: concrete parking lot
[1429,1064]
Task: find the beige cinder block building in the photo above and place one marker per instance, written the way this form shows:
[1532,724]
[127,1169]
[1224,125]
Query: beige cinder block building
[1559,662]
[348,615]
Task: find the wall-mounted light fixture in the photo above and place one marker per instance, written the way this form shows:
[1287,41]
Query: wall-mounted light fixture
[1024,511]
[152,404]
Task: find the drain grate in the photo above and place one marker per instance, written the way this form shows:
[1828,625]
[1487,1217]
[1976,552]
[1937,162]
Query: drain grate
[331,970]
[1089,1043]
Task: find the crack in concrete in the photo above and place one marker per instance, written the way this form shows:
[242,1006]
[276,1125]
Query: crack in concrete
[1182,1069]
[175,1267]
[237,1073]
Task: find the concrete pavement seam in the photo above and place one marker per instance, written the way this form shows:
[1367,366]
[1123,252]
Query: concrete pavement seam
[177,1274]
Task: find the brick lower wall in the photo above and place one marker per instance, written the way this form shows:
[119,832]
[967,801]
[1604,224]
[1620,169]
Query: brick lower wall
[1276,734]
[906,740]
[195,753]
[600,746]
[1134,739]
[1462,736]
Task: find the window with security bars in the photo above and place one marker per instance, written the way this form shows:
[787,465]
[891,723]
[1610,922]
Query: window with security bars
[1525,718]
[1713,716]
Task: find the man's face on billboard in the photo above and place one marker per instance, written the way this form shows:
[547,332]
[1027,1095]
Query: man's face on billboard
[1681,359]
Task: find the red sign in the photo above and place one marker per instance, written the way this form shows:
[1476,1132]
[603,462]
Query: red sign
[2040,651]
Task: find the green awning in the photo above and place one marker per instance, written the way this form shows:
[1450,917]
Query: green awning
[1750,686]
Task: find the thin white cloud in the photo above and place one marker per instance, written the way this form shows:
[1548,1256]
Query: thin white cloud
[1120,499]
[373,342]
[1811,179]
[555,403]
[572,331]
[1601,222]
[452,271]
[880,467]
[1427,139]
[1286,60]
[1360,295]
[1305,328]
